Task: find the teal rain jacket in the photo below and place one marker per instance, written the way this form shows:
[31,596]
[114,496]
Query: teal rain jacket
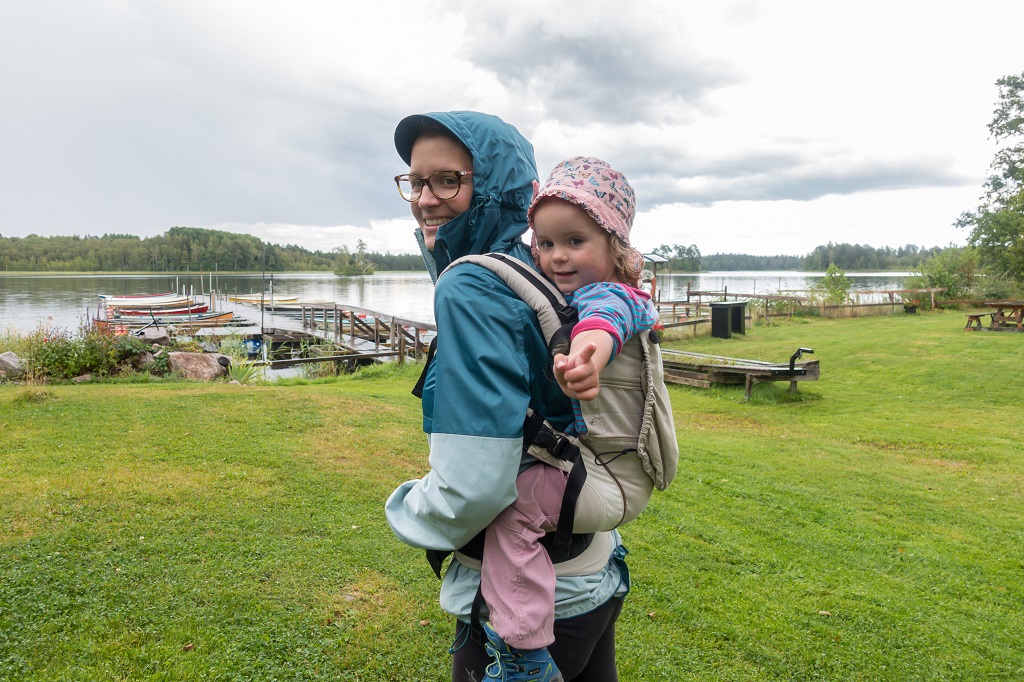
[490,359]
[488,368]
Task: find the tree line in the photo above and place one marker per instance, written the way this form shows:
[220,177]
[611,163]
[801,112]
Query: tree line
[843,256]
[180,249]
[195,249]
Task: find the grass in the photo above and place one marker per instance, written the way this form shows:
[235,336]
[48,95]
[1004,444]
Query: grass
[865,528]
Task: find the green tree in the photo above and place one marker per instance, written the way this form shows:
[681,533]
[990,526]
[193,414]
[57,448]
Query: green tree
[954,269]
[997,226]
[837,286]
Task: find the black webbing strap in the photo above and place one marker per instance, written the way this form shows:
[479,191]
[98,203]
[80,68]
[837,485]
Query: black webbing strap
[436,557]
[536,432]
[474,549]
[417,390]
[569,452]
[475,631]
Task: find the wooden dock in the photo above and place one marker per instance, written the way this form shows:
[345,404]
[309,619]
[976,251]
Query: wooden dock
[357,331]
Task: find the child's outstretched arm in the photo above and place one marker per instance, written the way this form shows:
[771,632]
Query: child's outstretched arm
[577,373]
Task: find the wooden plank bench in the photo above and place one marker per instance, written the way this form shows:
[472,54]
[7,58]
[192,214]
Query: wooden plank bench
[698,369]
[974,321]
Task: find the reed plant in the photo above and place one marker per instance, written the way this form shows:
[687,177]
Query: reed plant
[11,340]
[865,528]
[245,371]
[313,347]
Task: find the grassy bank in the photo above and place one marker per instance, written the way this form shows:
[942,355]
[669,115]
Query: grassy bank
[866,529]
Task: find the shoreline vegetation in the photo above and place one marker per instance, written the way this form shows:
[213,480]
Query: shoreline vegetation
[865,527]
[193,250]
[378,271]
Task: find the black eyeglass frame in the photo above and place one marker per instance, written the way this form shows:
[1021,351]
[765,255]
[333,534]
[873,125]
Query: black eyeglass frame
[429,185]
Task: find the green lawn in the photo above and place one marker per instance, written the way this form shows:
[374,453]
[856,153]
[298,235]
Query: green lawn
[867,528]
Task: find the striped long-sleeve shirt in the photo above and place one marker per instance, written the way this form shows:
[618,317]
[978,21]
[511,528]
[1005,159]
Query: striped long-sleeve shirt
[618,309]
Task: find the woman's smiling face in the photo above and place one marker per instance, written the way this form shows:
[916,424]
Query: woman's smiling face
[429,155]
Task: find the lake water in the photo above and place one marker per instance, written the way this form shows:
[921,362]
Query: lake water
[64,301]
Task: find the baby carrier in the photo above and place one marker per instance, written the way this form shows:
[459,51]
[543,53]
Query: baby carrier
[630,446]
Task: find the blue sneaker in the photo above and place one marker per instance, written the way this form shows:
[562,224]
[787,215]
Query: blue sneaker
[518,665]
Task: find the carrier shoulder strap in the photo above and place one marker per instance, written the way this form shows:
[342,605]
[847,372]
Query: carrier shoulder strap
[555,315]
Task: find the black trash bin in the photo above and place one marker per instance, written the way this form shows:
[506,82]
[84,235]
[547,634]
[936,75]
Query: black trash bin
[727,318]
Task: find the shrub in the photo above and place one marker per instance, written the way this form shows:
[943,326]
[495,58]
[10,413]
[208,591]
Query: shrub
[954,269]
[996,287]
[58,354]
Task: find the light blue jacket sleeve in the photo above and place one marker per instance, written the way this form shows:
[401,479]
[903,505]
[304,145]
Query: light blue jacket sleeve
[470,480]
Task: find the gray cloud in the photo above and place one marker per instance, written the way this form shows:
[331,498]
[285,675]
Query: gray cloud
[118,122]
[778,178]
[615,64]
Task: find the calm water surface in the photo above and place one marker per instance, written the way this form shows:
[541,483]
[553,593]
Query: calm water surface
[64,301]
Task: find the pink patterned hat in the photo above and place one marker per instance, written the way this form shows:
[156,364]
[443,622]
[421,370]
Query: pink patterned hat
[594,186]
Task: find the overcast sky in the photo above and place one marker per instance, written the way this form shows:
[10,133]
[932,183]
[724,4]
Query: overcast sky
[749,127]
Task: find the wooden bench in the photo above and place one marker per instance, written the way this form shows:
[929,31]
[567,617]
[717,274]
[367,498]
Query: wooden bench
[698,369]
[974,321]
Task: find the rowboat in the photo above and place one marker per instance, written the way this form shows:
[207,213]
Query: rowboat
[262,298]
[183,310]
[153,305]
[163,295]
[180,321]
[142,299]
[288,306]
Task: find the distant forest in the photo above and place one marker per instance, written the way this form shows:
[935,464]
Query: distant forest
[180,249]
[195,249]
[845,257]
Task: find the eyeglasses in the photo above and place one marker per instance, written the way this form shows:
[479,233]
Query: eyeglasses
[443,184]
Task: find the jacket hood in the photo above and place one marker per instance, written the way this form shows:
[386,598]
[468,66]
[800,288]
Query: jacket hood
[504,177]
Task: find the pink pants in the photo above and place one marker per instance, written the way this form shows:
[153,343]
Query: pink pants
[517,578]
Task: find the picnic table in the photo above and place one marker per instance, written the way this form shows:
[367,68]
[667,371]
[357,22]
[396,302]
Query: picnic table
[1005,316]
[1008,314]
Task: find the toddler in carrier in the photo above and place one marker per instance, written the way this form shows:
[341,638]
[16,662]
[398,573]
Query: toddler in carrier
[581,219]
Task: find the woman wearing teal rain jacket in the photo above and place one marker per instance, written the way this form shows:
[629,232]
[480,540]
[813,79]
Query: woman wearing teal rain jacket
[489,367]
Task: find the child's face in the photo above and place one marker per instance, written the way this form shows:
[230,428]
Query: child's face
[574,249]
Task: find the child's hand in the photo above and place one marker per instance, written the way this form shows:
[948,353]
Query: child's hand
[578,374]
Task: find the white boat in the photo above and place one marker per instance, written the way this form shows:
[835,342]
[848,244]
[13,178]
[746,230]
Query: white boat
[262,298]
[143,300]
